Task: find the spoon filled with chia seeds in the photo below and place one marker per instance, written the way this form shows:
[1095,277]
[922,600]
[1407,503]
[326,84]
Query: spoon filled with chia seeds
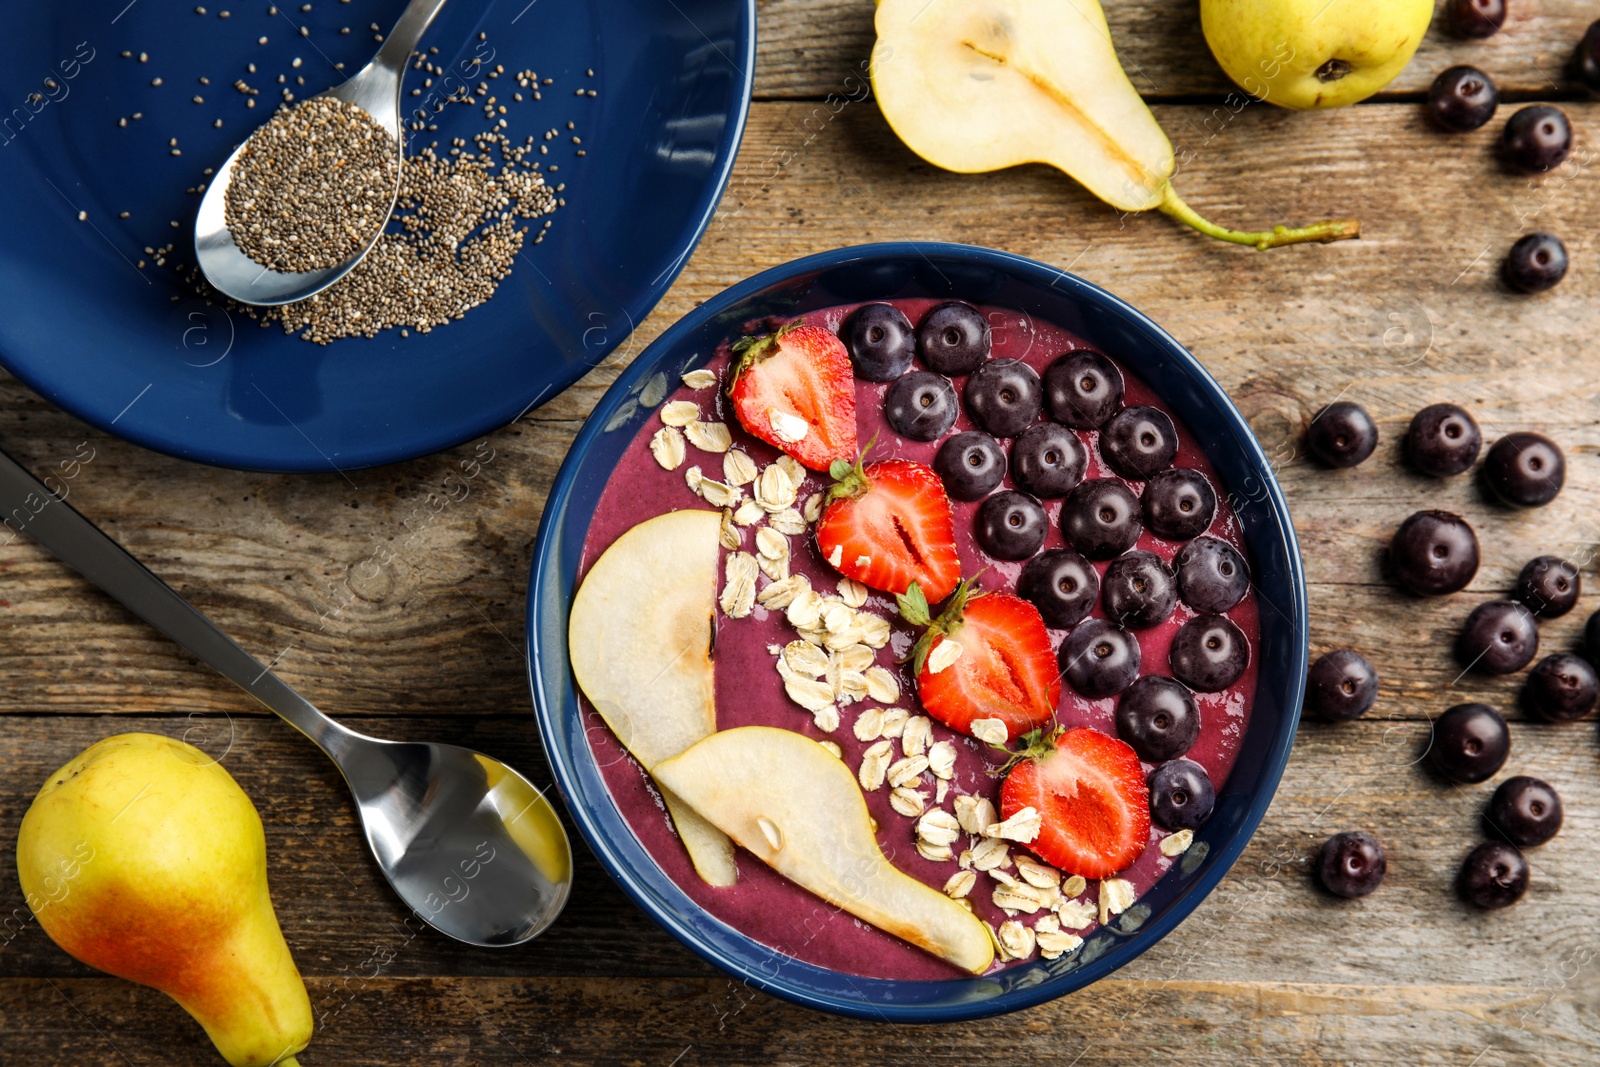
[309,193]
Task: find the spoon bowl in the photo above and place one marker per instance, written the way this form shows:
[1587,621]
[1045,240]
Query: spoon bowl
[376,90]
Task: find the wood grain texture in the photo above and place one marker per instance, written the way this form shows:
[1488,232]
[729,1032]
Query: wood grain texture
[810,48]
[389,608]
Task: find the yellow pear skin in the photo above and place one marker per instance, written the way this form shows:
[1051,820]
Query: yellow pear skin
[1314,53]
[143,858]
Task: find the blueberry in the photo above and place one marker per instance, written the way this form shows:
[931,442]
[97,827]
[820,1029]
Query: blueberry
[921,405]
[1443,440]
[1494,875]
[1181,795]
[1525,469]
[1003,397]
[1212,576]
[1434,553]
[954,338]
[1524,811]
[1342,685]
[1537,138]
[1048,460]
[1586,61]
[1500,637]
[1591,638]
[1082,389]
[1342,434]
[1098,659]
[971,463]
[1100,518]
[1548,586]
[1538,261]
[1156,716]
[1352,864]
[1562,687]
[881,342]
[1138,442]
[1062,585]
[1475,18]
[1179,504]
[1209,653]
[1139,590]
[1011,525]
[1462,99]
[1470,743]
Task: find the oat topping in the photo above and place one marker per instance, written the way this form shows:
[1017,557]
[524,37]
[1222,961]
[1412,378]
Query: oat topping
[748,513]
[990,731]
[719,494]
[882,686]
[1075,886]
[869,724]
[943,655]
[942,760]
[680,412]
[813,507]
[1176,844]
[960,884]
[667,446]
[805,658]
[852,592]
[875,765]
[792,467]
[700,379]
[709,436]
[739,469]
[772,544]
[907,771]
[779,595]
[832,747]
[826,718]
[738,585]
[915,736]
[974,813]
[775,490]
[1075,914]
[836,557]
[1038,875]
[808,693]
[787,427]
[1053,941]
[1016,938]
[1022,826]
[894,721]
[1116,897]
[990,854]
[938,827]
[934,853]
[729,535]
[692,477]
[787,522]
[907,802]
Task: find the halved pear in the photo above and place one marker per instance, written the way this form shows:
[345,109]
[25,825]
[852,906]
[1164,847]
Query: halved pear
[979,85]
[798,808]
[639,637]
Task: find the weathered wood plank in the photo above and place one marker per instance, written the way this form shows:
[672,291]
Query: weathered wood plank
[811,48]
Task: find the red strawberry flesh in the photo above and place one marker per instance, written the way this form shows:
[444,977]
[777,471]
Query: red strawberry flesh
[1094,807]
[899,530]
[794,390]
[1006,670]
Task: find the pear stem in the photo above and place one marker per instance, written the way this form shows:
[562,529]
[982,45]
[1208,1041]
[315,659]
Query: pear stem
[1321,232]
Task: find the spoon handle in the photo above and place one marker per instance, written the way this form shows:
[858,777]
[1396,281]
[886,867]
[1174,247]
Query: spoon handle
[27,506]
[402,40]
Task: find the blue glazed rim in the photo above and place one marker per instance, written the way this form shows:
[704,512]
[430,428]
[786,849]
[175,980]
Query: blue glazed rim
[886,271]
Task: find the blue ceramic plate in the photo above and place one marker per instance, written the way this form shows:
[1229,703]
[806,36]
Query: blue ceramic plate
[134,352]
[883,272]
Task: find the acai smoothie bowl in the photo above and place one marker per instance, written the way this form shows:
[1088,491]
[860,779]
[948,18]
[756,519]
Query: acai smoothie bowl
[917,632]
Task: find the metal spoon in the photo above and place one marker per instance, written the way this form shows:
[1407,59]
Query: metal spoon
[376,89]
[466,841]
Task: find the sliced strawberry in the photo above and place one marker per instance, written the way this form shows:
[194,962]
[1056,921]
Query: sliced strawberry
[889,524]
[1089,791]
[794,389]
[1006,668]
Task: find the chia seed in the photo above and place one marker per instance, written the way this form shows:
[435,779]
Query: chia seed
[312,186]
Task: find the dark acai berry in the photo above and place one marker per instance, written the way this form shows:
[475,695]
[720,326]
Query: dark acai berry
[1548,586]
[1535,263]
[1342,434]
[1139,590]
[1586,61]
[971,464]
[1003,397]
[1179,504]
[1062,585]
[881,342]
[1591,638]
[1525,469]
[1181,795]
[1475,18]
[1048,460]
[1011,525]
[1470,743]
[1352,864]
[1462,98]
[1562,687]
[1212,576]
[1537,138]
[1494,875]
[1138,442]
[1443,440]
[1098,659]
[1500,637]
[1100,518]
[954,338]
[1209,653]
[1156,716]
[1341,685]
[921,405]
[1524,811]
[1434,553]
[1082,390]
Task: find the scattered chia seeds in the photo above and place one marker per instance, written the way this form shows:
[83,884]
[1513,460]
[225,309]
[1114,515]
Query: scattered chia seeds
[312,186]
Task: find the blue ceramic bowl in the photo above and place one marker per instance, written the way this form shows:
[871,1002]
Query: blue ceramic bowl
[882,272]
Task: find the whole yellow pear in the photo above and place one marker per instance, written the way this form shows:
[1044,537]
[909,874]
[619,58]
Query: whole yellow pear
[142,857]
[1314,53]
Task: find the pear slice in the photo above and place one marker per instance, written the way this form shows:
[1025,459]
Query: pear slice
[798,808]
[639,637]
[979,85]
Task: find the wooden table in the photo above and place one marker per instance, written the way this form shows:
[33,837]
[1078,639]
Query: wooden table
[1268,969]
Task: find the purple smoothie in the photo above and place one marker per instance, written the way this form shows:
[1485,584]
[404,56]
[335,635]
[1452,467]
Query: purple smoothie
[765,906]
